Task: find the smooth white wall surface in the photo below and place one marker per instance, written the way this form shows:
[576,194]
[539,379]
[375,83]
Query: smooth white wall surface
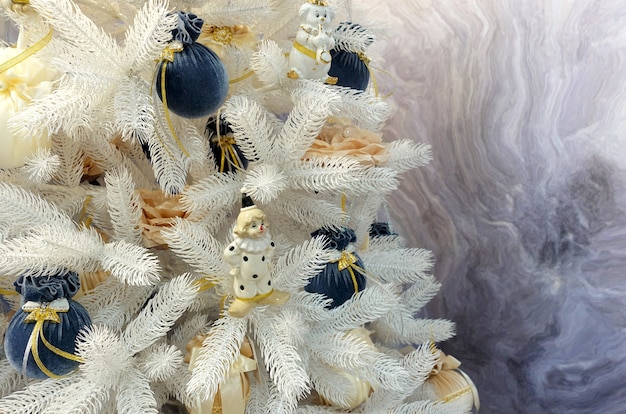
[523,205]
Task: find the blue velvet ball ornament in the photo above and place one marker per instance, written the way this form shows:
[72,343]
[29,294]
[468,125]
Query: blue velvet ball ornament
[381,229]
[349,69]
[227,154]
[342,277]
[196,82]
[41,336]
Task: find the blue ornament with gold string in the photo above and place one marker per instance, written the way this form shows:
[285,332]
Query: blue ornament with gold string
[228,156]
[349,64]
[41,338]
[343,275]
[191,80]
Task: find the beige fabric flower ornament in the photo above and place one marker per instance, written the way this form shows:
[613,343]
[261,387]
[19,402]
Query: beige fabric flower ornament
[339,138]
[158,212]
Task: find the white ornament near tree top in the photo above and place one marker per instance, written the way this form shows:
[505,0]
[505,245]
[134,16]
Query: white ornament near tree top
[19,85]
[310,55]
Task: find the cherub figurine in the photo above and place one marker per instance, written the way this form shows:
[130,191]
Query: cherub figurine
[250,257]
[310,55]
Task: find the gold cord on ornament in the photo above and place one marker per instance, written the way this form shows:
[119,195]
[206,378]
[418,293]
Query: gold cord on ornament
[84,218]
[243,77]
[27,52]
[39,316]
[167,55]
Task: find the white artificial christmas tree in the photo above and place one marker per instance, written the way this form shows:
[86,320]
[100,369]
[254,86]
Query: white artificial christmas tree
[141,202]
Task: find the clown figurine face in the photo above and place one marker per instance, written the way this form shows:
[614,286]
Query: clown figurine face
[251,224]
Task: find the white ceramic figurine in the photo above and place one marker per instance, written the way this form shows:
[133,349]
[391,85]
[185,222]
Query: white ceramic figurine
[250,257]
[310,55]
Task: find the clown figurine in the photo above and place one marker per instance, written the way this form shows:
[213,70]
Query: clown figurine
[250,257]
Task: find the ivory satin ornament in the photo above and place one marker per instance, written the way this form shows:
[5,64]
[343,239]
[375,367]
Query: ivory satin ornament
[19,86]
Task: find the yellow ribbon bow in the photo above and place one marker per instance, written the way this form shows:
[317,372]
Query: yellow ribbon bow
[347,261]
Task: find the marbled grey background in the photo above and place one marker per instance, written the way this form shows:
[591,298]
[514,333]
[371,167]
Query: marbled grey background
[523,205]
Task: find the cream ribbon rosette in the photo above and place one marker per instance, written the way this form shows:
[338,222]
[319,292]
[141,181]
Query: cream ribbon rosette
[158,211]
[218,38]
[339,138]
[232,394]
[20,84]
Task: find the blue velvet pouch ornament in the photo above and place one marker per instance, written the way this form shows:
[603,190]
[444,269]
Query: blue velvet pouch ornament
[227,153]
[344,275]
[350,69]
[40,339]
[381,229]
[349,66]
[195,79]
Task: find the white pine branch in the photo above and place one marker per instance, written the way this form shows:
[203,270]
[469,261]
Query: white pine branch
[326,174]
[366,306]
[10,378]
[312,306]
[366,110]
[168,163]
[22,210]
[160,313]
[81,397]
[330,383]
[105,356]
[282,361]
[134,113]
[71,156]
[123,205]
[194,243]
[41,166]
[150,32]
[227,13]
[130,263]
[418,364]
[252,127]
[293,270]
[36,398]
[400,265]
[352,37]
[264,182]
[354,354]
[160,361]
[211,192]
[219,350]
[270,65]
[48,250]
[420,294]
[406,154]
[314,102]
[426,407]
[309,211]
[177,385]
[134,394]
[400,328]
[77,30]
[192,326]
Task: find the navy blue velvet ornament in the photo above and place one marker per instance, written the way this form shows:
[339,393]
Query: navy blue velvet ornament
[52,319]
[350,69]
[379,229]
[341,278]
[227,153]
[348,65]
[196,82]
